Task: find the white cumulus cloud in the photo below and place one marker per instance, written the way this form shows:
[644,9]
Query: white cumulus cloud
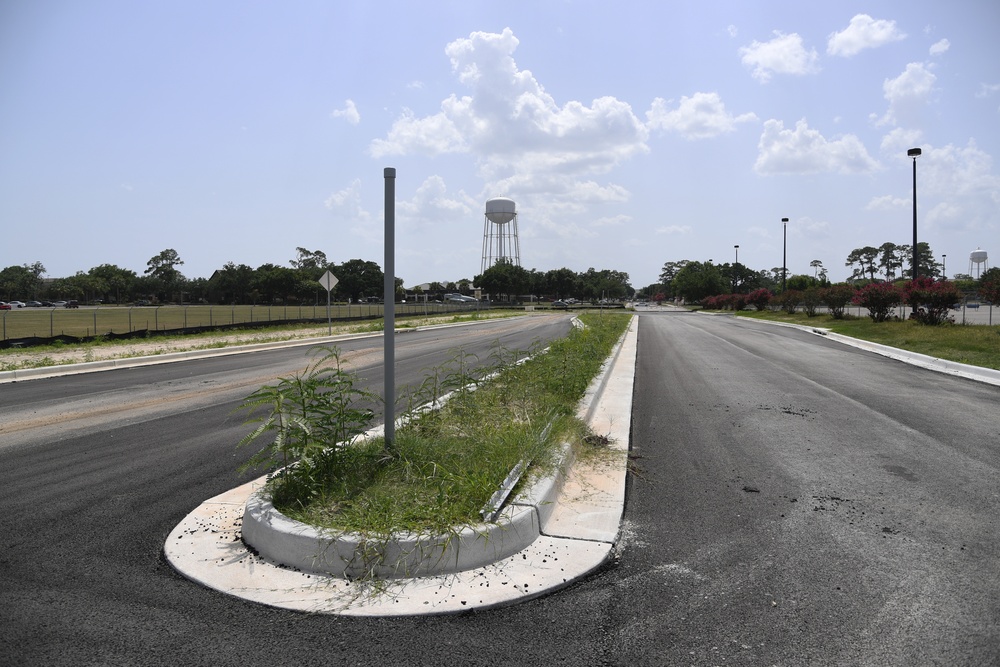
[907,93]
[864,32]
[522,139]
[785,54]
[804,151]
[701,116]
[939,47]
[348,113]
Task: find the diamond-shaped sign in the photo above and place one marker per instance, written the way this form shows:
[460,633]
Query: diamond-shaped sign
[328,280]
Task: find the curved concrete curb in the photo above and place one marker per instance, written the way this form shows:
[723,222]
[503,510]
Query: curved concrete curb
[306,548]
[967,371]
[572,518]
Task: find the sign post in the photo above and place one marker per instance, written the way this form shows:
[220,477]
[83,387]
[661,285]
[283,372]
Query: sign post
[329,281]
[389,309]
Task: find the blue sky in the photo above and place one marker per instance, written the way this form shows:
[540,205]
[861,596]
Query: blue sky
[630,134]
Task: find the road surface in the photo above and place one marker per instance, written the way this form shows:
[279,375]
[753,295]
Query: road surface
[792,501]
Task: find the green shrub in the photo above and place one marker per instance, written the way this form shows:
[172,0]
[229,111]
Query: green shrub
[836,298]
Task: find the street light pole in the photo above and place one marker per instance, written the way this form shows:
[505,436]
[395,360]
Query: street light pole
[737,253]
[914,153]
[944,266]
[784,252]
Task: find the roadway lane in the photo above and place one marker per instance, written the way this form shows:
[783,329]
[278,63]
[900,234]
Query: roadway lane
[801,502]
[792,501]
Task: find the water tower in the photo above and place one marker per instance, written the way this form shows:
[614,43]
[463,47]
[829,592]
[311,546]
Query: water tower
[978,258]
[500,233]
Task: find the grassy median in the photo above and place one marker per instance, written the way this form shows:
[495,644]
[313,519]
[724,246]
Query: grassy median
[445,464]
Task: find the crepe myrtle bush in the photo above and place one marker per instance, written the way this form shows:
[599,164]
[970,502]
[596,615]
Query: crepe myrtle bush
[811,299]
[725,302]
[989,285]
[879,299]
[931,299]
[836,298]
[788,300]
[759,298]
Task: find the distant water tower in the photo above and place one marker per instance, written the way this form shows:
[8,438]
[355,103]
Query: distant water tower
[978,259]
[500,233]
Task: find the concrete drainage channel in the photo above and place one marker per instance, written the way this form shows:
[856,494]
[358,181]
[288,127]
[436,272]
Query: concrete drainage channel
[558,529]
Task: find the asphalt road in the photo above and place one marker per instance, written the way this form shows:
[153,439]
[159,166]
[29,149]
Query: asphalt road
[792,501]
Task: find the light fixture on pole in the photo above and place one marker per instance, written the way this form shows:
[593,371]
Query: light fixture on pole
[784,252]
[944,266]
[737,253]
[914,153]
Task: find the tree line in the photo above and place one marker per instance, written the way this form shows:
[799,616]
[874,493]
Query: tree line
[297,283]
[694,281]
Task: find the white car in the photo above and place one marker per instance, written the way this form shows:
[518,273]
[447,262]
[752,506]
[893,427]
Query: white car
[16,304]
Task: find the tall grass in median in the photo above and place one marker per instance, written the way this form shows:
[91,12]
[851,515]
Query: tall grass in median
[445,464]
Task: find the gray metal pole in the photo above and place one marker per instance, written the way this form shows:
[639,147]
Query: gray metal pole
[914,153]
[784,252]
[389,311]
[915,272]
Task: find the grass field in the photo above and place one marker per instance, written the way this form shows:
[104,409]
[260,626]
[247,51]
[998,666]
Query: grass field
[87,321]
[977,345]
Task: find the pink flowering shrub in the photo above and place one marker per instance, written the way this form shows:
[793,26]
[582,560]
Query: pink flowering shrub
[879,299]
[725,302]
[931,299]
[989,286]
[788,300]
[759,298]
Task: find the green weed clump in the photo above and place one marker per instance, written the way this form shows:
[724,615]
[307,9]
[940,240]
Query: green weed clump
[445,463]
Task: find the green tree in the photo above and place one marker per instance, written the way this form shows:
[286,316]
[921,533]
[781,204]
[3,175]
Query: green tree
[504,279]
[561,283]
[163,268]
[867,260]
[311,262]
[21,282]
[359,278]
[606,283]
[697,280]
[232,284]
[890,260]
[818,271]
[273,284]
[116,280]
[801,283]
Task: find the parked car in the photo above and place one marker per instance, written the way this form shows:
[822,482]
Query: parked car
[16,304]
[4,305]
[57,304]
[72,303]
[560,304]
[33,304]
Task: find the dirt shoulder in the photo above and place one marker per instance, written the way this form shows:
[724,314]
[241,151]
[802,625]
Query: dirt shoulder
[58,355]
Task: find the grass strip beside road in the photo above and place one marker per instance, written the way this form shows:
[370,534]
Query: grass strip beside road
[100,349]
[447,463]
[976,345]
